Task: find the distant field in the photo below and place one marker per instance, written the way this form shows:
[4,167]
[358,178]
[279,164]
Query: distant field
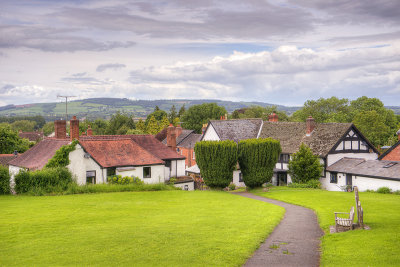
[376,247]
[167,228]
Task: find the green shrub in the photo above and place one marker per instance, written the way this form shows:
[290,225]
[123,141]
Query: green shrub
[118,179]
[304,165]
[4,180]
[257,159]
[43,181]
[310,184]
[61,157]
[232,186]
[107,188]
[384,190]
[217,161]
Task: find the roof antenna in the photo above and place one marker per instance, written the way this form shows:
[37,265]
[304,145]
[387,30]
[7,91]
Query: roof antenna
[66,104]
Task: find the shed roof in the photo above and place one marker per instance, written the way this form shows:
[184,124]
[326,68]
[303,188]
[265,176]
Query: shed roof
[118,152]
[38,156]
[292,134]
[237,130]
[371,168]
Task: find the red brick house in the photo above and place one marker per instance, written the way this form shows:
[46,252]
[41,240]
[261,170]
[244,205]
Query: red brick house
[392,153]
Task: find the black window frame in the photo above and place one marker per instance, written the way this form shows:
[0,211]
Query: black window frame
[284,158]
[240,177]
[144,172]
[91,179]
[111,171]
[333,177]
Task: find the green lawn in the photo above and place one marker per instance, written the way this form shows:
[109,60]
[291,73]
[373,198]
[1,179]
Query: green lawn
[170,228]
[379,246]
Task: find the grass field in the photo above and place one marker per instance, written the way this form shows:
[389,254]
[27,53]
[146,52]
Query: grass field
[169,228]
[379,246]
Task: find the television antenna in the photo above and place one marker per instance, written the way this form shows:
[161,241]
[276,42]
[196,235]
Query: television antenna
[66,104]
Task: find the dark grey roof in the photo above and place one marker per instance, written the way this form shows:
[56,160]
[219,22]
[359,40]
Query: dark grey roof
[237,130]
[179,139]
[371,168]
[190,140]
[292,134]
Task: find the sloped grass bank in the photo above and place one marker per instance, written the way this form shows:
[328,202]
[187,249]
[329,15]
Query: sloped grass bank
[169,228]
[376,247]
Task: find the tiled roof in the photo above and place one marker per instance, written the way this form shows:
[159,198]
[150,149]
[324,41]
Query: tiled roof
[190,140]
[148,142]
[161,135]
[183,135]
[292,134]
[362,167]
[38,156]
[31,136]
[5,158]
[237,130]
[118,152]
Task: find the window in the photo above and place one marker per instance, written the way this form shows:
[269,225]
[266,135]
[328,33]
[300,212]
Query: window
[111,171]
[146,172]
[333,178]
[391,164]
[91,177]
[194,156]
[284,158]
[240,177]
[186,187]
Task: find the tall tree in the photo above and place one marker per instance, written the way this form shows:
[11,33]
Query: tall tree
[152,126]
[120,124]
[9,141]
[182,111]
[197,115]
[141,126]
[23,125]
[157,114]
[163,123]
[172,114]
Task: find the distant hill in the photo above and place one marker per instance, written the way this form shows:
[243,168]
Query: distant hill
[92,108]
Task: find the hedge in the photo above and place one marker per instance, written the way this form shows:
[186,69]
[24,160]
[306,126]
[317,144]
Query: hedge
[4,180]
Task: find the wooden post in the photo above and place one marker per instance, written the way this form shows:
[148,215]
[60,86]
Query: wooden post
[360,216]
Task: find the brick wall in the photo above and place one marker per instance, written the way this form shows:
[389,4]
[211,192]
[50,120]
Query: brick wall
[393,155]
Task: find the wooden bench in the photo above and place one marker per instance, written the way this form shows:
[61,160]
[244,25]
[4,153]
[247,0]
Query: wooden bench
[344,224]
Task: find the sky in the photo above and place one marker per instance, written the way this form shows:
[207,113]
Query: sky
[280,52]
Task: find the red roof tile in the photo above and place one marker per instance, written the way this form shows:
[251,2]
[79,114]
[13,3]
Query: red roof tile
[31,136]
[5,158]
[38,156]
[118,152]
[146,141]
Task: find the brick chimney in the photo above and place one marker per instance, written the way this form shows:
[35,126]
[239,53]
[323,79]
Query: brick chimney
[60,129]
[273,117]
[89,131]
[398,134]
[171,137]
[74,128]
[310,125]
[178,131]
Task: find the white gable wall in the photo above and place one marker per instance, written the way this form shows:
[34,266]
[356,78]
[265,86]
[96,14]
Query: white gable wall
[211,134]
[79,165]
[157,173]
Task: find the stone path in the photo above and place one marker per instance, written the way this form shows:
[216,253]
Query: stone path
[294,242]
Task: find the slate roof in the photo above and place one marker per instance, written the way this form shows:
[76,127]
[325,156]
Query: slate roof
[236,130]
[5,158]
[292,134]
[190,140]
[148,142]
[118,152]
[38,156]
[185,133]
[31,136]
[371,168]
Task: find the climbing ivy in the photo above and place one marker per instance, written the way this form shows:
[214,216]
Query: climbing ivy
[257,158]
[216,160]
[61,157]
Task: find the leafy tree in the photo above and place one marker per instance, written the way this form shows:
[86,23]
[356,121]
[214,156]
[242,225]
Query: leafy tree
[4,180]
[140,126]
[157,114]
[99,127]
[235,114]
[304,166]
[217,161]
[172,114]
[23,125]
[372,125]
[257,159]
[9,141]
[259,112]
[197,115]
[156,108]
[152,126]
[120,124]
[176,121]
[135,131]
[182,111]
[48,128]
[163,123]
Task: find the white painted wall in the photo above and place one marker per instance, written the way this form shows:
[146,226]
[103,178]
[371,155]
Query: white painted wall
[177,169]
[332,158]
[210,134]
[326,184]
[79,165]
[13,170]
[157,173]
[236,179]
[190,186]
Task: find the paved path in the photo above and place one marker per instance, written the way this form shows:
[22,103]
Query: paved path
[294,242]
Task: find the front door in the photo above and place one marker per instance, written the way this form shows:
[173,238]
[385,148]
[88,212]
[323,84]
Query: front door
[349,179]
[282,178]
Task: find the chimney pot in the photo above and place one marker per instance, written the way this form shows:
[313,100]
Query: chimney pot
[178,131]
[89,131]
[310,123]
[273,117]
